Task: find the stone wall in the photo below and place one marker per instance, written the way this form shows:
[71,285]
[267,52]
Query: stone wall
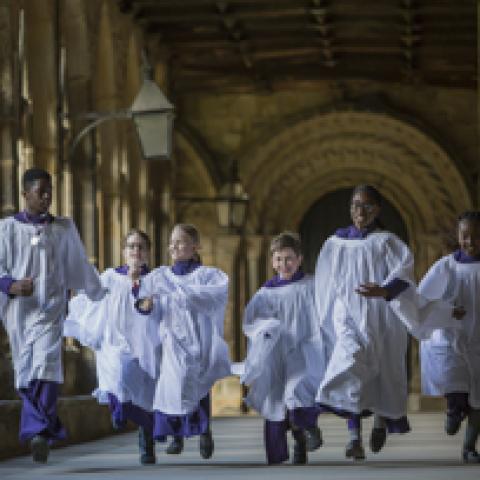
[230,123]
[82,416]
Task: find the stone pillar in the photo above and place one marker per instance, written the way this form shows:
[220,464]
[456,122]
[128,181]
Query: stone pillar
[109,145]
[227,393]
[8,160]
[8,114]
[427,249]
[42,70]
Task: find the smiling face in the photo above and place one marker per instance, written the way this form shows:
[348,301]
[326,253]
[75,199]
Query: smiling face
[135,251]
[286,262]
[469,237]
[38,196]
[363,210]
[182,247]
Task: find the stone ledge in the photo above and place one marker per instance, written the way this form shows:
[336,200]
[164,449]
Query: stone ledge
[82,416]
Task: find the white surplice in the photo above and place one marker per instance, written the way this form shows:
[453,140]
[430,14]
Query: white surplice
[366,343]
[285,360]
[126,342]
[366,338]
[190,310]
[53,255]
[450,358]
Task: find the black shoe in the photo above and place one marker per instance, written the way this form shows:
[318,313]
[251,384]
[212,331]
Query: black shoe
[452,424]
[470,456]
[378,438]
[300,449]
[40,449]
[148,459]
[313,438]
[206,445]
[175,447]
[146,445]
[354,449]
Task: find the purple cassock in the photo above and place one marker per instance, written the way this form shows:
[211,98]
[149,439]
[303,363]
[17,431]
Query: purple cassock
[457,402]
[275,433]
[39,412]
[395,287]
[193,423]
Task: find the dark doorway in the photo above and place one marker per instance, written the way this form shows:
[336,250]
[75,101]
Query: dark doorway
[332,212]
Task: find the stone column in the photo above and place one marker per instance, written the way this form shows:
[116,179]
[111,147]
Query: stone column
[8,160]
[42,73]
[227,393]
[427,249]
[8,113]
[110,146]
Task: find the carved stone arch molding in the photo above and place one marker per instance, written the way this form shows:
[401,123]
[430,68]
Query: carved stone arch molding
[336,149]
[327,151]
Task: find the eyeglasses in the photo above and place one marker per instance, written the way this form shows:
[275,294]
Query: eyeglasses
[367,207]
[132,246]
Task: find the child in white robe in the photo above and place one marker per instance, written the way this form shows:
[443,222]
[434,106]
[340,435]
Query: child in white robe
[188,300]
[126,343]
[41,257]
[285,364]
[367,300]
[450,358]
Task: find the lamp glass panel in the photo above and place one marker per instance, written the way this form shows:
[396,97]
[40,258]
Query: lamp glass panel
[155,134]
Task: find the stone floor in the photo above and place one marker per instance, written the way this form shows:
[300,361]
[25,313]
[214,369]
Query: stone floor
[425,453]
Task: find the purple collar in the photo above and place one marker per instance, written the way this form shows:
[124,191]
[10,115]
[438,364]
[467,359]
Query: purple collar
[461,257]
[123,270]
[26,217]
[183,267]
[352,232]
[276,281]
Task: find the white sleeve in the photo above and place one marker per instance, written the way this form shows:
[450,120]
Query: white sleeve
[211,294]
[80,274]
[86,319]
[425,310]
[399,260]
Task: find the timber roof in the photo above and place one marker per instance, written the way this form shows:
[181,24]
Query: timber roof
[257,44]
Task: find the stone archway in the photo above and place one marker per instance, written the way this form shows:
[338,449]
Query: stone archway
[327,151]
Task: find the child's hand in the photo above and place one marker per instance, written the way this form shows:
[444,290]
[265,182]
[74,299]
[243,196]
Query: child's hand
[458,312]
[372,290]
[22,288]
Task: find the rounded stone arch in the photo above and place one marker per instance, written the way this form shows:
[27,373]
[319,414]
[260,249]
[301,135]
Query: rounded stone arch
[326,151]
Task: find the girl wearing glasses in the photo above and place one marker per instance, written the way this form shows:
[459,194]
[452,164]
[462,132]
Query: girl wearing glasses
[126,343]
[450,358]
[364,276]
[188,300]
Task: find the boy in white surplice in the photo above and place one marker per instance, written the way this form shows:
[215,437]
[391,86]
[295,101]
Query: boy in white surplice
[41,257]
[284,365]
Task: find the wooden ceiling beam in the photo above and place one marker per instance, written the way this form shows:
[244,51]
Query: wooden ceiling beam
[236,35]
[319,14]
[411,36]
[291,49]
[320,74]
